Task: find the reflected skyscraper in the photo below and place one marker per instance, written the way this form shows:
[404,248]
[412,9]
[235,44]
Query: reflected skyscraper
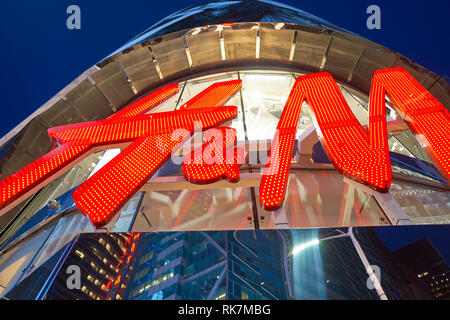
[183,265]
[425,271]
[318,264]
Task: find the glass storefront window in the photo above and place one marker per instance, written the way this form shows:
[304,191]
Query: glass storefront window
[264,97]
[423,204]
[19,262]
[408,141]
[322,199]
[54,190]
[310,263]
[198,209]
[127,214]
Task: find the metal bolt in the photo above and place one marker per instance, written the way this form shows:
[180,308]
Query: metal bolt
[53,205]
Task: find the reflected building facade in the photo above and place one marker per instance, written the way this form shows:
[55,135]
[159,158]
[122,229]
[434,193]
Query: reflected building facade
[191,253]
[194,265]
[249,265]
[424,269]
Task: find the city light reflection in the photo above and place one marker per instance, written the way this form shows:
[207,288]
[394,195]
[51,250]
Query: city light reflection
[305,245]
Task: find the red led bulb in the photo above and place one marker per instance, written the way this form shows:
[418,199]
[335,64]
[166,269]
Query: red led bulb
[216,159]
[126,126]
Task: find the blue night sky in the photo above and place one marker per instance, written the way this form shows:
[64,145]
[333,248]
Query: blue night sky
[401,236]
[40,56]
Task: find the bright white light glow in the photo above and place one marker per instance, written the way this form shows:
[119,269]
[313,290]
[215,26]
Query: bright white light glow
[107,157]
[305,245]
[265,76]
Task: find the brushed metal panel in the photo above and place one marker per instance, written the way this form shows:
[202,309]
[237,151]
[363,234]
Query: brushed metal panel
[341,57]
[35,138]
[204,48]
[310,49]
[240,44]
[61,113]
[111,81]
[139,67]
[441,91]
[276,44]
[171,56]
[16,161]
[89,101]
[371,60]
[32,143]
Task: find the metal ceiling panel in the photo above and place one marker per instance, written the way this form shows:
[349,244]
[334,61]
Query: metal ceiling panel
[240,44]
[441,91]
[276,44]
[114,85]
[31,143]
[35,138]
[372,59]
[204,49]
[310,49]
[139,67]
[16,161]
[89,101]
[170,54]
[342,57]
[61,113]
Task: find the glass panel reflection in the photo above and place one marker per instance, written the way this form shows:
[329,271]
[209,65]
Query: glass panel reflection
[19,262]
[261,264]
[322,199]
[423,204]
[199,209]
[37,210]
[264,97]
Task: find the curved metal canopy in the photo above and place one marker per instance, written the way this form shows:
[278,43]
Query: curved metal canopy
[229,11]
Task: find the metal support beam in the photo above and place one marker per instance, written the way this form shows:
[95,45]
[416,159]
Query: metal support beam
[387,203]
[349,202]
[180,183]
[279,219]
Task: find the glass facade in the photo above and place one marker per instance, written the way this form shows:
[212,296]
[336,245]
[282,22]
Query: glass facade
[299,264]
[317,196]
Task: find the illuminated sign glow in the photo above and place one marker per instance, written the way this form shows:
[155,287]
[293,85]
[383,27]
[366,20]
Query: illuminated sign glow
[19,185]
[425,115]
[217,158]
[356,153]
[103,194]
[275,177]
[361,155]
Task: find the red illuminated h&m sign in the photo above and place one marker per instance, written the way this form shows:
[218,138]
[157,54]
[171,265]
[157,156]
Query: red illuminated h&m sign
[359,154]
